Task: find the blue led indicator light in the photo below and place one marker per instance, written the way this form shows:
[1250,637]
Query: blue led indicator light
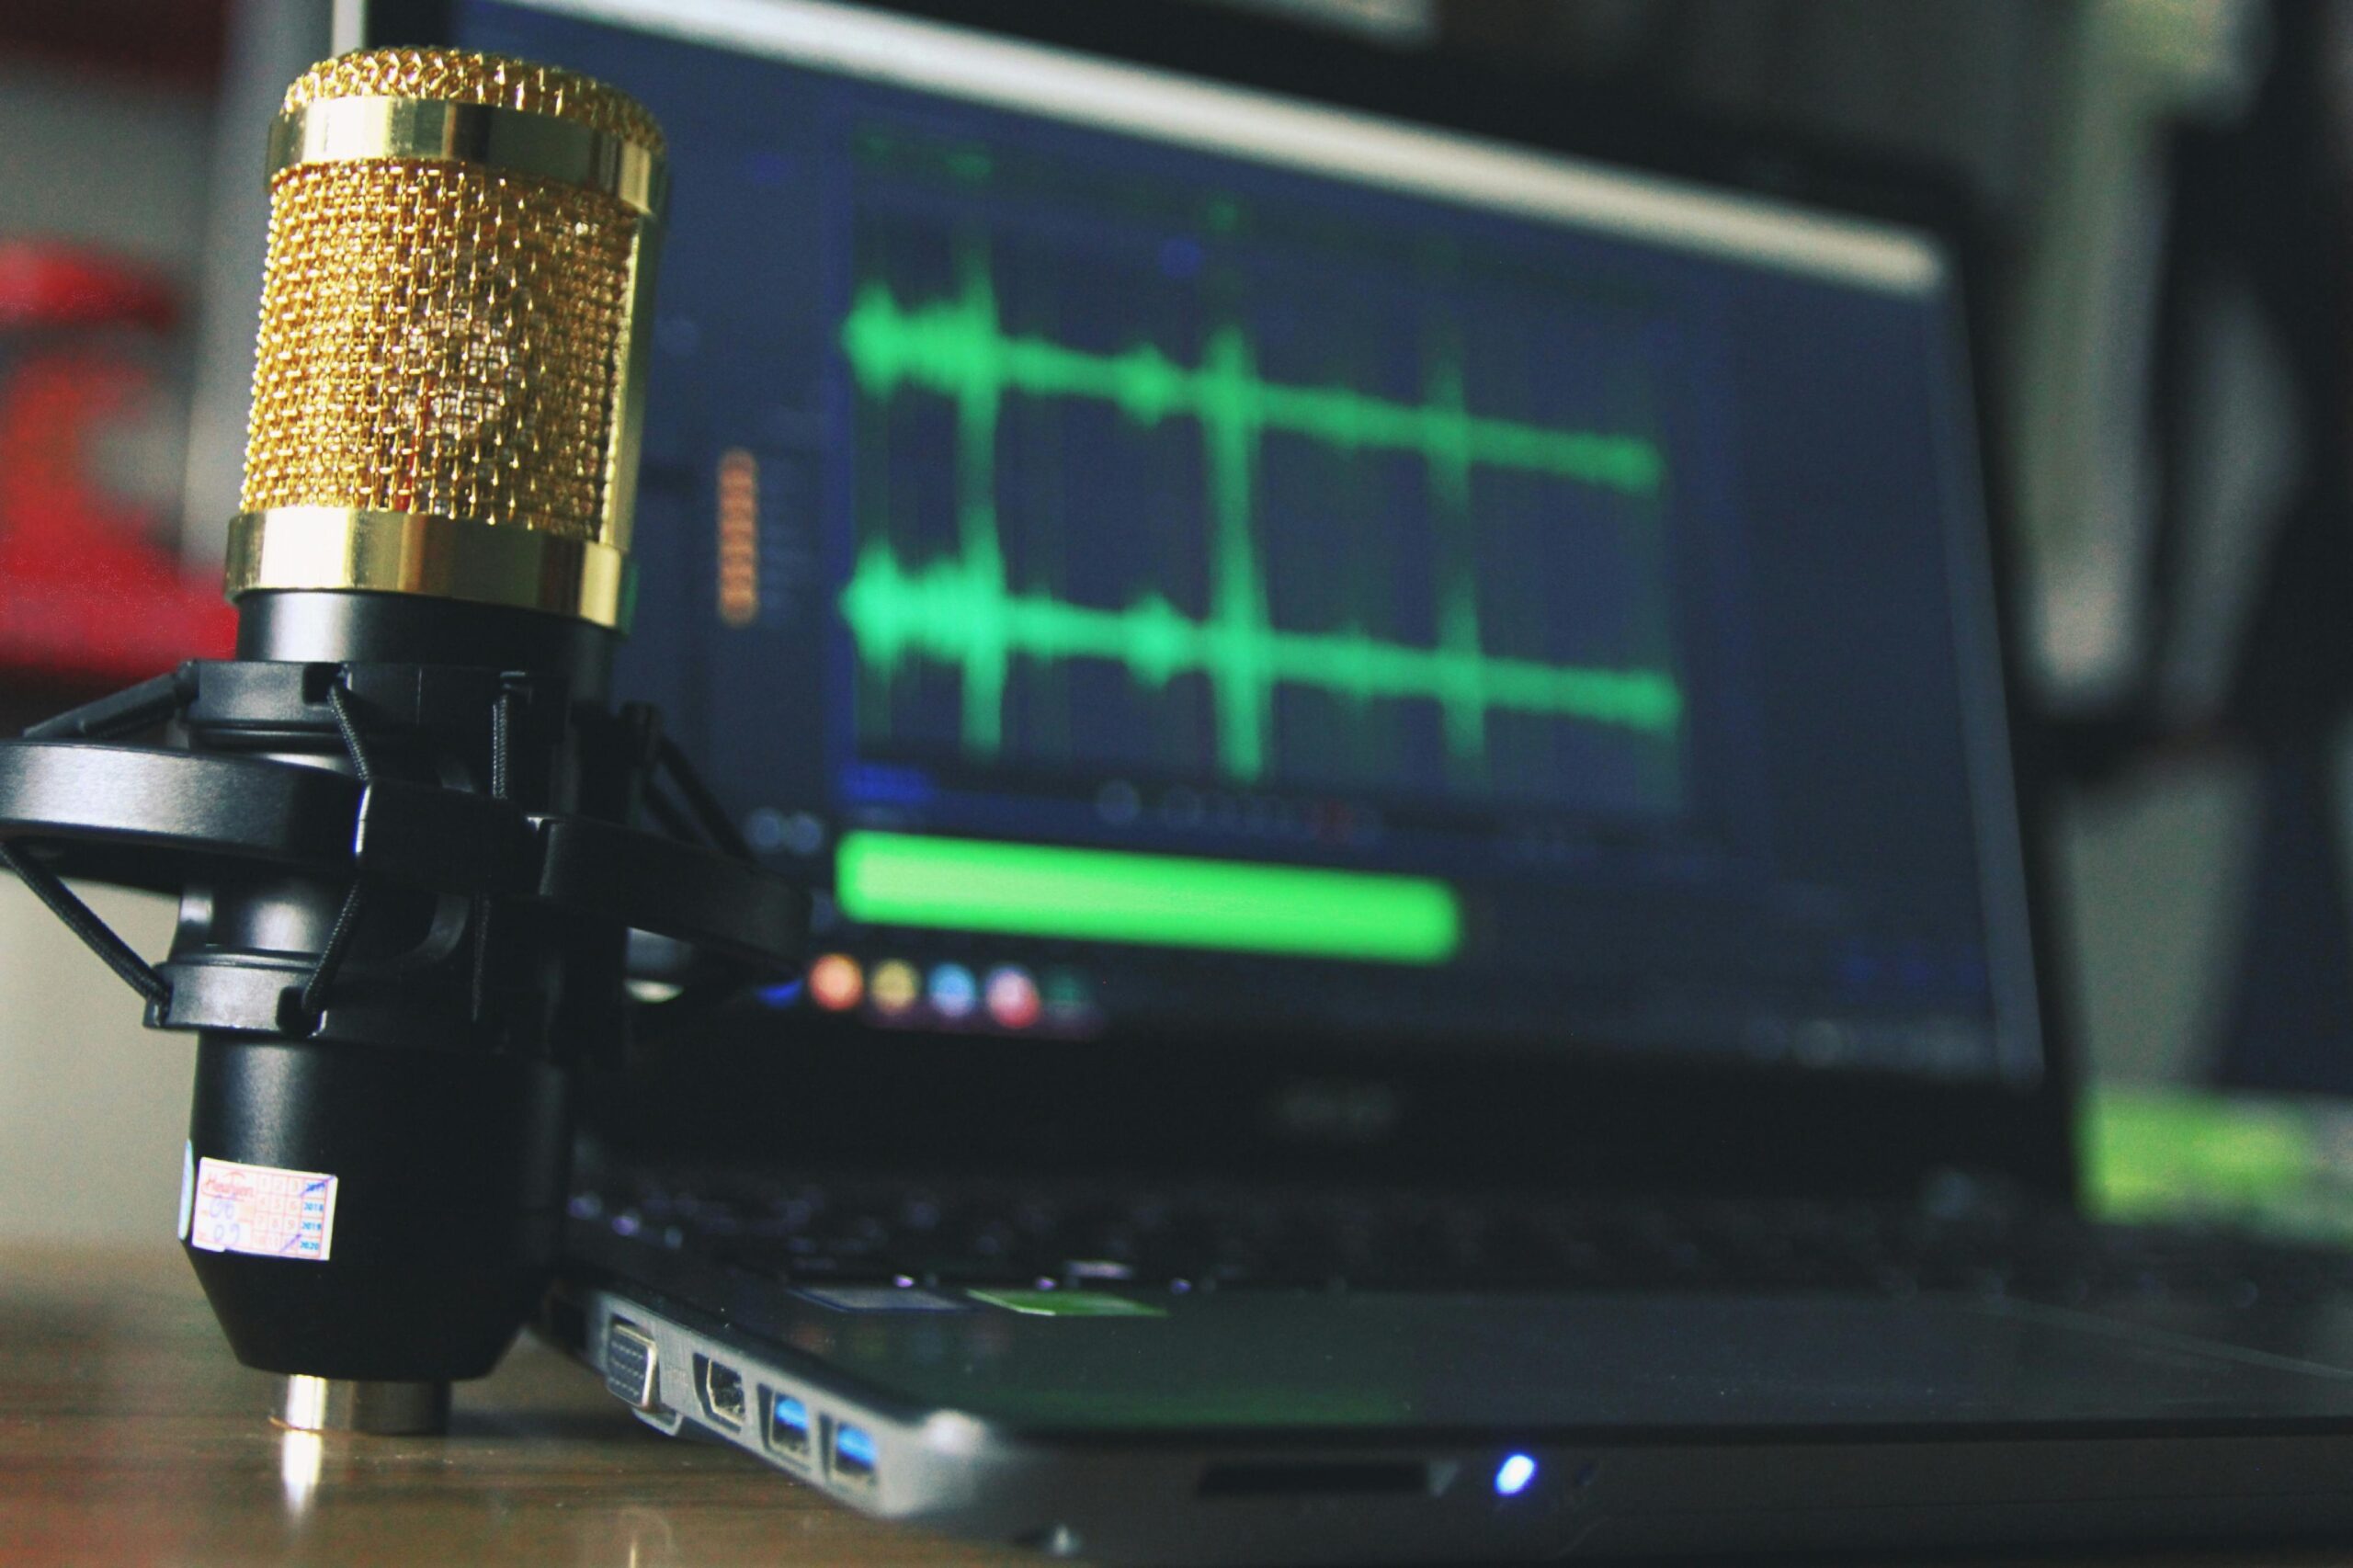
[1513,1475]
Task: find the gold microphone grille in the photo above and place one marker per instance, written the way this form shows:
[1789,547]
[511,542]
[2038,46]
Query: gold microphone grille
[445,335]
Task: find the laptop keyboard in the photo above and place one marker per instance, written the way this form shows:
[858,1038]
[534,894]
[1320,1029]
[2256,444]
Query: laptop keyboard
[1191,1239]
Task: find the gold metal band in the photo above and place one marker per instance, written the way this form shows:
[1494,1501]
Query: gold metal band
[334,130]
[333,548]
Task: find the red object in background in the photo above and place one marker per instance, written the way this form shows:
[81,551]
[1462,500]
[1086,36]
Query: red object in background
[85,591]
[57,286]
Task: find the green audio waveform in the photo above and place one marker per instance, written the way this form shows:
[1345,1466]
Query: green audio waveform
[951,611]
[964,612]
[953,347]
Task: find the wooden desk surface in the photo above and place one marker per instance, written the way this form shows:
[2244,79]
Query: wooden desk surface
[128,1435]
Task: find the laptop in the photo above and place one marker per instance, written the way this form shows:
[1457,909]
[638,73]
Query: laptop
[1427,949]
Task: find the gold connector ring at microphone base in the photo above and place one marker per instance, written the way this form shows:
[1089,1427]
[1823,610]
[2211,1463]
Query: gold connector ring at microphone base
[341,548]
[334,130]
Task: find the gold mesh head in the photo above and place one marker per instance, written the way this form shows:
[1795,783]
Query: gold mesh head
[444,335]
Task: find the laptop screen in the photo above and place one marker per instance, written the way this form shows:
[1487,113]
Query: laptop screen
[1172,559]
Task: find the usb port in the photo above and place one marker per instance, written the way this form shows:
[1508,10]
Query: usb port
[853,1453]
[723,1389]
[789,1427]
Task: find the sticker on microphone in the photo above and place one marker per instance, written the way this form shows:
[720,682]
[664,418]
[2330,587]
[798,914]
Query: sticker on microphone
[263,1210]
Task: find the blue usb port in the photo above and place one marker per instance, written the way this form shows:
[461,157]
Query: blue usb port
[853,1453]
[789,1427]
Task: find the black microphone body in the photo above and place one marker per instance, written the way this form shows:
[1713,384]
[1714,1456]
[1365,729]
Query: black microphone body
[448,1135]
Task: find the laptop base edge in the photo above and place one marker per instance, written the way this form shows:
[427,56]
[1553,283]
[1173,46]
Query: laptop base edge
[1224,1498]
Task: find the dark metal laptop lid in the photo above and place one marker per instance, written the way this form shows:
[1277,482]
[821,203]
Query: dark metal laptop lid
[1307,625]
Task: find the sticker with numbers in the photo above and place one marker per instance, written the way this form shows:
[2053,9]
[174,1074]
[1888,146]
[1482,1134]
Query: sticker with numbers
[262,1210]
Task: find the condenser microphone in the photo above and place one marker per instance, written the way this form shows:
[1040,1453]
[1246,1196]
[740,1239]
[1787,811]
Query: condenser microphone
[400,821]
[450,377]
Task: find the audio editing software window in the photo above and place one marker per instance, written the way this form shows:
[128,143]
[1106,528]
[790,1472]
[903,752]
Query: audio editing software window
[1200,561]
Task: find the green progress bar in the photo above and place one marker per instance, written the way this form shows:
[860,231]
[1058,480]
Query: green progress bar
[1102,895]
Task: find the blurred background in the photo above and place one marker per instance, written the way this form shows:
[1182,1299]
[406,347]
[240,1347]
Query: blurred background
[2164,184]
